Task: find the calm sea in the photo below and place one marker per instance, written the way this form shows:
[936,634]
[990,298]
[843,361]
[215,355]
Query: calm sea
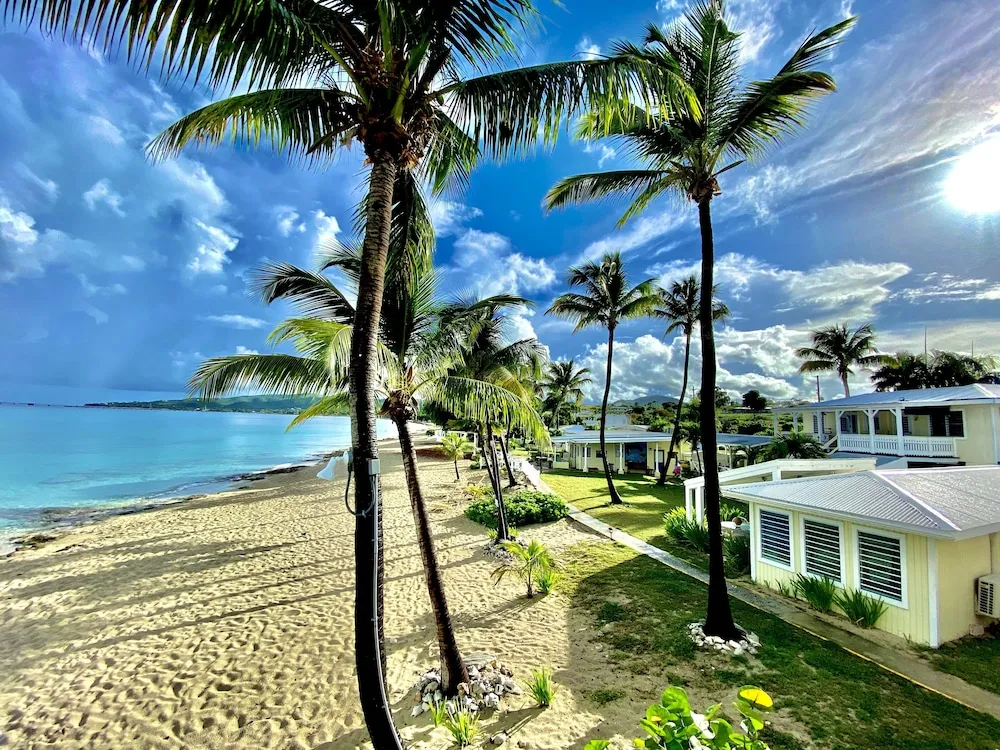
[61,457]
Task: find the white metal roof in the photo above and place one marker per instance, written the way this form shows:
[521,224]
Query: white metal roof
[641,436]
[961,394]
[954,501]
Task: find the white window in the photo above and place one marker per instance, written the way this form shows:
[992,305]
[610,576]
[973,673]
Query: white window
[881,558]
[776,538]
[821,550]
[815,424]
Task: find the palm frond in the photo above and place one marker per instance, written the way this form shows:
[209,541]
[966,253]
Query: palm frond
[312,294]
[329,406]
[481,401]
[272,374]
[625,184]
[302,123]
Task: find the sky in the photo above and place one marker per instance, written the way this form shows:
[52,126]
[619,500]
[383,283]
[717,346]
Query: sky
[119,275]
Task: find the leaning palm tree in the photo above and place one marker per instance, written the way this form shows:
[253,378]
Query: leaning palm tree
[684,154]
[563,384]
[607,301]
[681,306]
[322,75]
[838,349]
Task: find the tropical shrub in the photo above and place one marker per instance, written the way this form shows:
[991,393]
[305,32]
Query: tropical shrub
[523,507]
[731,511]
[697,536]
[736,548]
[860,608]
[529,562]
[821,593]
[547,580]
[675,523]
[439,712]
[672,724]
[542,687]
[464,727]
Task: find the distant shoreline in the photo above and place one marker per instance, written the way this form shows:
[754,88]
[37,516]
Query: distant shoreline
[141,406]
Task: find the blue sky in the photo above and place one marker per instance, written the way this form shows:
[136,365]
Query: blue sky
[119,274]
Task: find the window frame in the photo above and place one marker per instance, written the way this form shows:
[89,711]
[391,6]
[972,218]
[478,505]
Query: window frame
[841,538]
[790,565]
[903,560]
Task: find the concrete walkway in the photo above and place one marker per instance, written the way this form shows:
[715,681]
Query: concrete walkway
[899,663]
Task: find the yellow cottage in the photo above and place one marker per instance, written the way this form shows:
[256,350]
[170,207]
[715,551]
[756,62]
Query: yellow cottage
[925,541]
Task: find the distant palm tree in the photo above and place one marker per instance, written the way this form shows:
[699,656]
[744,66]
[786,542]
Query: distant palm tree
[837,349]
[455,447]
[681,306]
[901,371]
[794,445]
[690,430]
[608,300]
[563,383]
[951,369]
[684,152]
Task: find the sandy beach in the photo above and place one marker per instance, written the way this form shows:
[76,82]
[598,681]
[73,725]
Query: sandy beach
[226,622]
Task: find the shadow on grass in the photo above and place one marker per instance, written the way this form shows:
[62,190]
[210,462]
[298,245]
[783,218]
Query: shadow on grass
[838,699]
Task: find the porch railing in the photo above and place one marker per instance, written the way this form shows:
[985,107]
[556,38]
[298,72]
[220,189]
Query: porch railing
[931,447]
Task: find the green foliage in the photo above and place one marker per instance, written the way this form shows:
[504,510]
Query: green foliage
[794,445]
[612,612]
[439,713]
[687,533]
[604,696]
[736,548]
[529,562]
[524,507]
[542,687]
[860,608]
[255,404]
[548,578]
[697,536]
[730,511]
[464,727]
[456,446]
[821,593]
[671,724]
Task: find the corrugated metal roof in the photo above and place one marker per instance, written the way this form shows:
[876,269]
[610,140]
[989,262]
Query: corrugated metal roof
[640,436]
[920,396]
[948,500]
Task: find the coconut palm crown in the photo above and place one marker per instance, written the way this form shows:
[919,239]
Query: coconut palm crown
[563,383]
[838,349]
[684,153]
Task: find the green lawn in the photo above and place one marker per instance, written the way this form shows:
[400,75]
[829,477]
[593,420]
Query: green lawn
[975,660]
[642,609]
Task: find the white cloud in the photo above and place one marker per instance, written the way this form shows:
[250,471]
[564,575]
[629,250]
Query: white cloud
[494,267]
[449,216]
[16,226]
[288,220]
[243,350]
[132,263]
[211,256]
[586,49]
[327,229]
[106,130]
[191,183]
[234,320]
[49,187]
[639,232]
[945,287]
[605,152]
[101,192]
[90,289]
[100,317]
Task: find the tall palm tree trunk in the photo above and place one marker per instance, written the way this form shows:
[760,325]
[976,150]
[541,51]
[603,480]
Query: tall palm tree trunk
[680,407]
[616,499]
[511,481]
[847,388]
[503,532]
[453,669]
[369,651]
[719,618]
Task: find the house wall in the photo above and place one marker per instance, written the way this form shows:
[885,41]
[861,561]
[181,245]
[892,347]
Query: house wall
[909,620]
[959,564]
[977,448]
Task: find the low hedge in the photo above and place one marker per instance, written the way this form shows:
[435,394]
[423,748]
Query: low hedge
[523,507]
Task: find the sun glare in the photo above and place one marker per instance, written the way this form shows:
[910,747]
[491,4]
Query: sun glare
[974,183]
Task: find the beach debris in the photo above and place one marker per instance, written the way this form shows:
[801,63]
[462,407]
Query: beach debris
[489,681]
[34,541]
[746,645]
[499,738]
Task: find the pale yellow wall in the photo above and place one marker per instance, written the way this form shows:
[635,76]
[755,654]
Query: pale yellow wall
[959,564]
[912,621]
[977,447]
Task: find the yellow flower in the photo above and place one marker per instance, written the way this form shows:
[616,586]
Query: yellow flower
[757,697]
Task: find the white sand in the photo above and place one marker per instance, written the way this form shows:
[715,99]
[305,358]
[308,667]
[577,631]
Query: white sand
[227,622]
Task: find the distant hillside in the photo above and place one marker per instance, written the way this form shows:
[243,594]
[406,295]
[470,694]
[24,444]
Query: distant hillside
[256,404]
[646,400]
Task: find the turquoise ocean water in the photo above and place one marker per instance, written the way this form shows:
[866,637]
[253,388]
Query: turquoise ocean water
[62,457]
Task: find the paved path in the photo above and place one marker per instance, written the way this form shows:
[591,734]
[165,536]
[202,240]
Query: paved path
[904,665]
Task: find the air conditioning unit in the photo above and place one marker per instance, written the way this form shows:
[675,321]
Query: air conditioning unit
[988,596]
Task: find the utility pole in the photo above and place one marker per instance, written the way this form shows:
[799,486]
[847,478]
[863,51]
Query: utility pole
[925,343]
[818,398]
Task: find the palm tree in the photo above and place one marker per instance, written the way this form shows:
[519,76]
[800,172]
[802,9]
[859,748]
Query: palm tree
[455,447]
[321,76]
[563,384]
[681,306]
[838,349]
[414,358]
[690,430]
[951,369]
[794,445]
[487,355]
[684,153]
[901,371]
[608,300]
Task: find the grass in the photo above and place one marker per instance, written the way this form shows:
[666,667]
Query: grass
[604,696]
[975,660]
[840,700]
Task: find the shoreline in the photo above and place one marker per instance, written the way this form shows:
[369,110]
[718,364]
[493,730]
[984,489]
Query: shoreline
[55,523]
